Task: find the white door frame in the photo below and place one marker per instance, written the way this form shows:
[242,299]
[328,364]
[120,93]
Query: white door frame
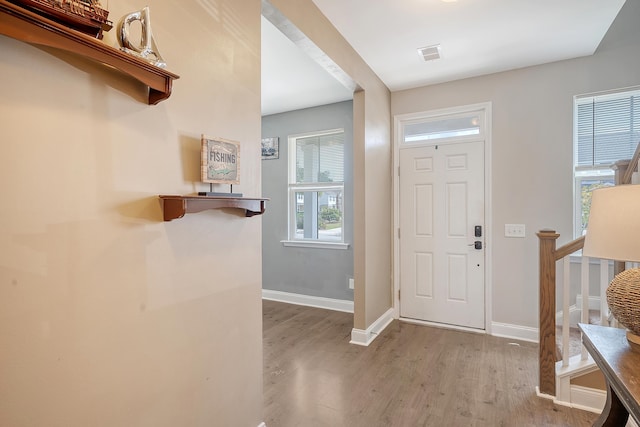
[398,122]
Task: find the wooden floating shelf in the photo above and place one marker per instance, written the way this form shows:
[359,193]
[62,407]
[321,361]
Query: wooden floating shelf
[24,25]
[177,206]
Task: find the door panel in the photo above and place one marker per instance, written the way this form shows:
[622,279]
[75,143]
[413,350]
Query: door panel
[441,201]
[457,280]
[423,201]
[457,209]
[424,275]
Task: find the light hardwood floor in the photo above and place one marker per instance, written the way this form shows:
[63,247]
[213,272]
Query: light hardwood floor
[409,376]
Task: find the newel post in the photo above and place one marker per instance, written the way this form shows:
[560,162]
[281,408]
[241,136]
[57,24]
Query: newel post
[547,307]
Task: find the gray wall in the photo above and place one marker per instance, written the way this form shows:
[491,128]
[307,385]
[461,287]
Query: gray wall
[532,158]
[307,271]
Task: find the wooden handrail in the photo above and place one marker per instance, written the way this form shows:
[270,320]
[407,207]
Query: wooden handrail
[633,166]
[569,248]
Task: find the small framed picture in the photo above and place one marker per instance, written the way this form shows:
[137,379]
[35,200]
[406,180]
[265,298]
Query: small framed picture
[270,148]
[220,161]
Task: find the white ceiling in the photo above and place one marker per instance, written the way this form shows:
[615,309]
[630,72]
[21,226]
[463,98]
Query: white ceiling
[291,80]
[477,37]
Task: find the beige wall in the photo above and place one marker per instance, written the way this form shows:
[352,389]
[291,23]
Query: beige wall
[532,151]
[372,161]
[108,315]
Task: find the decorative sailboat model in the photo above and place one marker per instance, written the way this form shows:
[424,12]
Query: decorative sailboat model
[86,16]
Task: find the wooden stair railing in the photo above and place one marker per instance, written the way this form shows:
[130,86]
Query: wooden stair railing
[549,255]
[547,305]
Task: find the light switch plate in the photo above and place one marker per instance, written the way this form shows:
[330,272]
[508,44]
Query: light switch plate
[514,230]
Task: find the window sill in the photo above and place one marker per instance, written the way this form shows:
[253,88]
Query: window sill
[314,244]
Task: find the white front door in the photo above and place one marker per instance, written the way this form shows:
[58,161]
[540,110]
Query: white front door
[441,219]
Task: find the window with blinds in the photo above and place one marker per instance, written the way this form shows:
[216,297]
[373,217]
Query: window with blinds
[316,186]
[606,130]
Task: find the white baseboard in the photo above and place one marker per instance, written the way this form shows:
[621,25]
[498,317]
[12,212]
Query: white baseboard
[583,398]
[592,400]
[365,337]
[308,300]
[262,425]
[523,333]
[588,399]
[544,395]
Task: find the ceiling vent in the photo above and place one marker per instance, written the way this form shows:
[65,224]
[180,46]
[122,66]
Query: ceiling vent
[430,53]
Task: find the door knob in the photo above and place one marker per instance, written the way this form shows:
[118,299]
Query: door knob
[476,245]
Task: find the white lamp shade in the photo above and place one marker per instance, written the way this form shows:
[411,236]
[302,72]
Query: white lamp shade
[613,231]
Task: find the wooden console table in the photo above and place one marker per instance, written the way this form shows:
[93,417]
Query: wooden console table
[619,361]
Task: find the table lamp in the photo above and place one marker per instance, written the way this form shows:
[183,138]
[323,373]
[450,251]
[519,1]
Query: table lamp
[613,233]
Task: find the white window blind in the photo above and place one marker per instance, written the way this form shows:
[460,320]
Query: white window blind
[607,128]
[320,158]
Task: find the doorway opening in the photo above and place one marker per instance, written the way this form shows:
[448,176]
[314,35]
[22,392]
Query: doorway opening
[307,244]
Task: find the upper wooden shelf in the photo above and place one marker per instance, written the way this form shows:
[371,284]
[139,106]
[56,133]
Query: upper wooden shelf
[26,26]
[177,206]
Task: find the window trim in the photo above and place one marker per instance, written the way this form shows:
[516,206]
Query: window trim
[317,244]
